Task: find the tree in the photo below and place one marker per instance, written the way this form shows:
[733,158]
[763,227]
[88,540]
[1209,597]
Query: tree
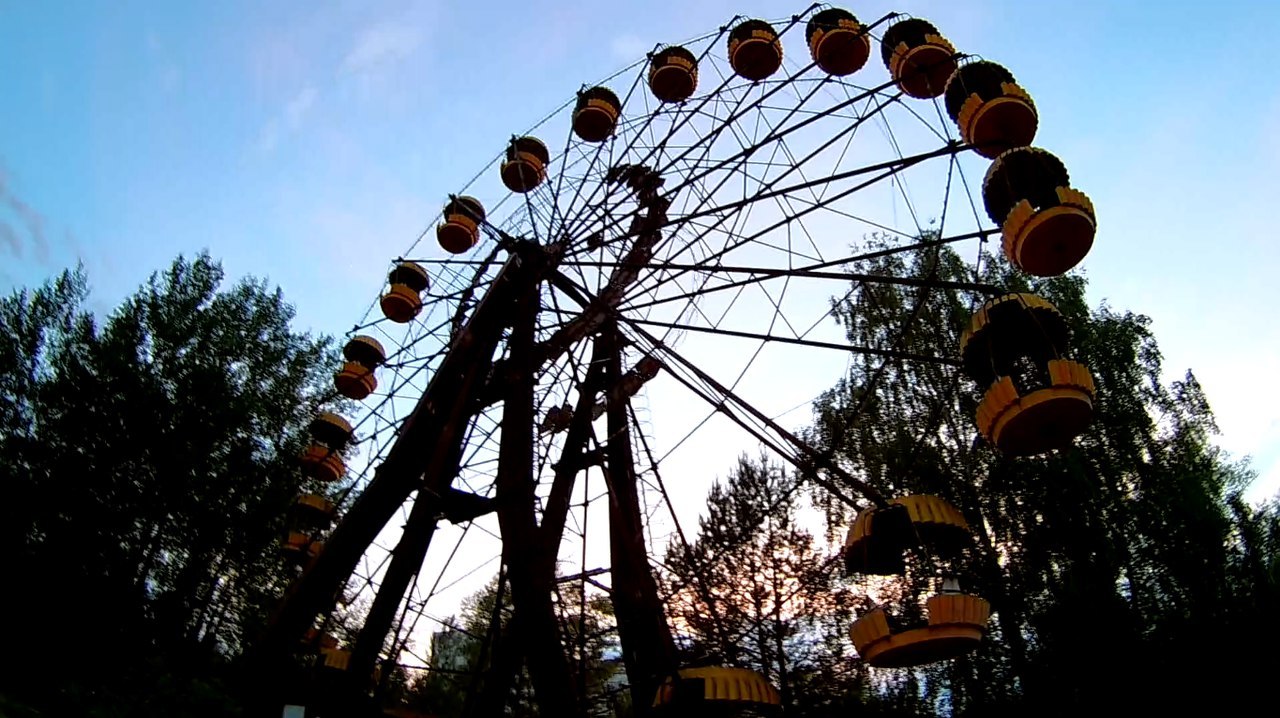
[150,461]
[464,650]
[1108,564]
[756,589]
[1117,568]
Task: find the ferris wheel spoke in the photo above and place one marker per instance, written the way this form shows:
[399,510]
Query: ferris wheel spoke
[725,212]
[369,578]
[872,351]
[592,157]
[814,271]
[776,302]
[736,112]
[571,458]
[598,159]
[978,220]
[406,562]
[706,142]
[885,169]
[787,200]
[778,135]
[655,146]
[479,440]
[649,116]
[410,345]
[708,220]
[471,572]
[944,134]
[788,250]
[722,398]
[871,108]
[647,451]
[551,372]
[899,183]
[738,221]
[884,173]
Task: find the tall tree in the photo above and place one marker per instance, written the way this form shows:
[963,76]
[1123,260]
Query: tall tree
[757,589]
[152,459]
[1117,568]
[1108,564]
[467,646]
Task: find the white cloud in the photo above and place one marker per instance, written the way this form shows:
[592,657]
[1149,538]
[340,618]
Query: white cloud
[167,73]
[9,240]
[30,224]
[289,120]
[269,137]
[380,45]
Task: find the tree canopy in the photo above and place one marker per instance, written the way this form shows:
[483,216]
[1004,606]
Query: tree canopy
[463,651]
[149,459]
[1116,568]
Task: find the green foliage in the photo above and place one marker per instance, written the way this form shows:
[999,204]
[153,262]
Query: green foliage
[150,459]
[1117,568]
[755,589]
[462,653]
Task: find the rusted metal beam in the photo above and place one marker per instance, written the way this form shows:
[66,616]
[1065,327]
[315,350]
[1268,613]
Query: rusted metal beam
[503,669]
[411,550]
[444,404]
[406,559]
[648,650]
[523,553]
[551,529]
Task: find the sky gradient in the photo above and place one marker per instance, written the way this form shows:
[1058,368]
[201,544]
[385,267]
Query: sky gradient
[309,143]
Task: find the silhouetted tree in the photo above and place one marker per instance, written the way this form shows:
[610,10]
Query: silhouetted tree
[149,459]
[464,650]
[1117,569]
[1108,564]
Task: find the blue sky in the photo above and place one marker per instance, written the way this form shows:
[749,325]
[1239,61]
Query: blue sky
[311,142]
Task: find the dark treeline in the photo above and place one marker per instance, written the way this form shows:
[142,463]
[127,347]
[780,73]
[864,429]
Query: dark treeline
[1123,572]
[149,459]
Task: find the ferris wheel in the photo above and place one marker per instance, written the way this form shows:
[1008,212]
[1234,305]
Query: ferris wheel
[643,273]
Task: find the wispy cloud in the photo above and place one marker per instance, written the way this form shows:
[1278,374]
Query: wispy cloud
[383,44]
[387,55]
[168,73]
[170,78]
[299,106]
[9,240]
[21,226]
[289,120]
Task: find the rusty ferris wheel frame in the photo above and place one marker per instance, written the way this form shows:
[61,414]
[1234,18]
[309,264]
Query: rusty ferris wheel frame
[594,252]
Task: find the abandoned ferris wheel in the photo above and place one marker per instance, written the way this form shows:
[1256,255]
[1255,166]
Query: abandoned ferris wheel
[699,200]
